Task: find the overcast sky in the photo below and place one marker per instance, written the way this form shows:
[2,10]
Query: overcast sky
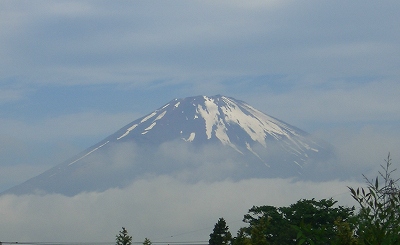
[73,72]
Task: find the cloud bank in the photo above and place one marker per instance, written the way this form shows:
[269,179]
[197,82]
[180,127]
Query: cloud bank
[174,207]
[161,208]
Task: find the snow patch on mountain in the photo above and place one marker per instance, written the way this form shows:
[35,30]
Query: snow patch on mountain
[165,106]
[191,137]
[160,116]
[127,131]
[151,126]
[209,113]
[87,154]
[148,117]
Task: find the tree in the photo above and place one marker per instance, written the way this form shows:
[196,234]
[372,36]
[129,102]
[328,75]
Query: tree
[344,233]
[241,238]
[317,219]
[258,236]
[221,234]
[311,221]
[379,214]
[276,229]
[123,238]
[147,241]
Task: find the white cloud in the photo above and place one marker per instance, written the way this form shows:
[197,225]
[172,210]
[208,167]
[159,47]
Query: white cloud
[363,150]
[315,101]
[100,42]
[68,8]
[160,208]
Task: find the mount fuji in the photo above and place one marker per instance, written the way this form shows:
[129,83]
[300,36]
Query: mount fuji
[194,139]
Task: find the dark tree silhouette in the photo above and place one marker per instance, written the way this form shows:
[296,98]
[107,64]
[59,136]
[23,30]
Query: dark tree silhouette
[123,238]
[221,234]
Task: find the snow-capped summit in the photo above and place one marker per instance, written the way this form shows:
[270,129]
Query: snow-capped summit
[193,138]
[203,119]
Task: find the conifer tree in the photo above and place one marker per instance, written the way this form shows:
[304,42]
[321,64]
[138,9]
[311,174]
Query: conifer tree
[123,238]
[147,241]
[221,234]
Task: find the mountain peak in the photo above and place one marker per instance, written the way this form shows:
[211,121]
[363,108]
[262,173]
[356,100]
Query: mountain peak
[216,118]
[200,137]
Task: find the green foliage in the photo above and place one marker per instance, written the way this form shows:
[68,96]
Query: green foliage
[258,236]
[344,233]
[123,238]
[306,221]
[277,230]
[379,215]
[221,234]
[242,238]
[147,241]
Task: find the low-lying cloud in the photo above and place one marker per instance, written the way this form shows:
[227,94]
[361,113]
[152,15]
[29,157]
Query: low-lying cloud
[161,208]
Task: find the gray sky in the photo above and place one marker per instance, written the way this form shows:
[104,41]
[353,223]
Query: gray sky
[73,72]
